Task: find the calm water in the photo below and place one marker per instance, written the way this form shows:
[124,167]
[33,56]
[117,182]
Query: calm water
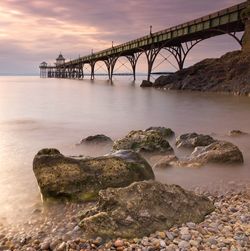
[37,113]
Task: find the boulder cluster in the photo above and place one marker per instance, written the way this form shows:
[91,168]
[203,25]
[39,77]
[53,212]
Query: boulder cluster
[128,202]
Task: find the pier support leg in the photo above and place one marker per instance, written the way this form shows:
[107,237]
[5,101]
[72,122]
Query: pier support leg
[151,55]
[92,73]
[110,63]
[180,51]
[133,61]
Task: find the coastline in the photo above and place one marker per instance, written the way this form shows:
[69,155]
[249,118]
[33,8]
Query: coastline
[227,74]
[55,228]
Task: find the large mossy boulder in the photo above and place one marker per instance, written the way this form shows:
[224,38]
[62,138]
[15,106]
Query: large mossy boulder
[151,140]
[80,179]
[192,140]
[143,208]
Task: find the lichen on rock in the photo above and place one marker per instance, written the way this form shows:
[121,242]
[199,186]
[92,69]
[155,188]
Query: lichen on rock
[80,179]
[143,208]
[151,140]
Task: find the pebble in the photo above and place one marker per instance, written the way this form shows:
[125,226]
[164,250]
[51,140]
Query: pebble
[225,229]
[183,245]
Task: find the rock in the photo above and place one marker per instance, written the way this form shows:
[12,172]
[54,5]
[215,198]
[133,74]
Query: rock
[191,140]
[164,131]
[218,152]
[146,83]
[45,245]
[118,243]
[230,73]
[236,133]
[166,161]
[65,178]
[97,139]
[152,205]
[150,141]
[183,245]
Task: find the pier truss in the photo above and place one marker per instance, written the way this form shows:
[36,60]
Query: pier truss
[178,41]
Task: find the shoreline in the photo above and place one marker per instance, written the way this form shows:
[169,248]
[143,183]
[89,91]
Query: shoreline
[55,228]
[228,74]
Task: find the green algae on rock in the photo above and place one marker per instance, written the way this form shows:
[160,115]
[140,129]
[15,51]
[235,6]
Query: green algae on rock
[143,208]
[80,179]
[151,140]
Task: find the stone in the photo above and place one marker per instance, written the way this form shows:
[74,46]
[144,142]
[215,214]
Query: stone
[45,245]
[146,83]
[221,152]
[183,245]
[192,140]
[152,205]
[166,161]
[229,73]
[147,141]
[118,243]
[74,179]
[236,133]
[97,139]
[62,246]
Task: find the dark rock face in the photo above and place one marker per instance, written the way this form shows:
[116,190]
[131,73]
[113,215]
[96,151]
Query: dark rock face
[191,140]
[236,133]
[146,83]
[97,139]
[75,179]
[152,140]
[218,152]
[230,73]
[143,208]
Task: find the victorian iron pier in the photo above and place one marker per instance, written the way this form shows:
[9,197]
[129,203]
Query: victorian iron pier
[178,40]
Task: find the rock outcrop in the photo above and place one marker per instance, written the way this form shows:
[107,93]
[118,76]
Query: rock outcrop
[146,83]
[219,152]
[191,140]
[230,73]
[151,140]
[80,179]
[236,133]
[143,208]
[97,139]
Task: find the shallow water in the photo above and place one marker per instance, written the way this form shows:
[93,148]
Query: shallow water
[37,113]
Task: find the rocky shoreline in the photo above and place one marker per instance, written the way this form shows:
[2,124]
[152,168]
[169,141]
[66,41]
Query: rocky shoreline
[227,74]
[55,228]
[129,210]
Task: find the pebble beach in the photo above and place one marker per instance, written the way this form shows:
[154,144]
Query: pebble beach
[56,228]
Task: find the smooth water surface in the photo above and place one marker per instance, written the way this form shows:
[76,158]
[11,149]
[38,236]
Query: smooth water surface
[37,113]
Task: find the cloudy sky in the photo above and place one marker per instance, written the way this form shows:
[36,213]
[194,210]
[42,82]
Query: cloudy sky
[35,30]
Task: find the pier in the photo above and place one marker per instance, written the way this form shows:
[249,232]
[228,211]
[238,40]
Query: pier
[178,40]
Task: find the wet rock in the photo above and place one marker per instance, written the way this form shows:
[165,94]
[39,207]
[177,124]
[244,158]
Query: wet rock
[97,139]
[218,152]
[164,131]
[150,141]
[65,178]
[146,83]
[191,140]
[152,205]
[166,161]
[236,133]
[229,73]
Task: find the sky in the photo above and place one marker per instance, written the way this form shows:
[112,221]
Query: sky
[32,31]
